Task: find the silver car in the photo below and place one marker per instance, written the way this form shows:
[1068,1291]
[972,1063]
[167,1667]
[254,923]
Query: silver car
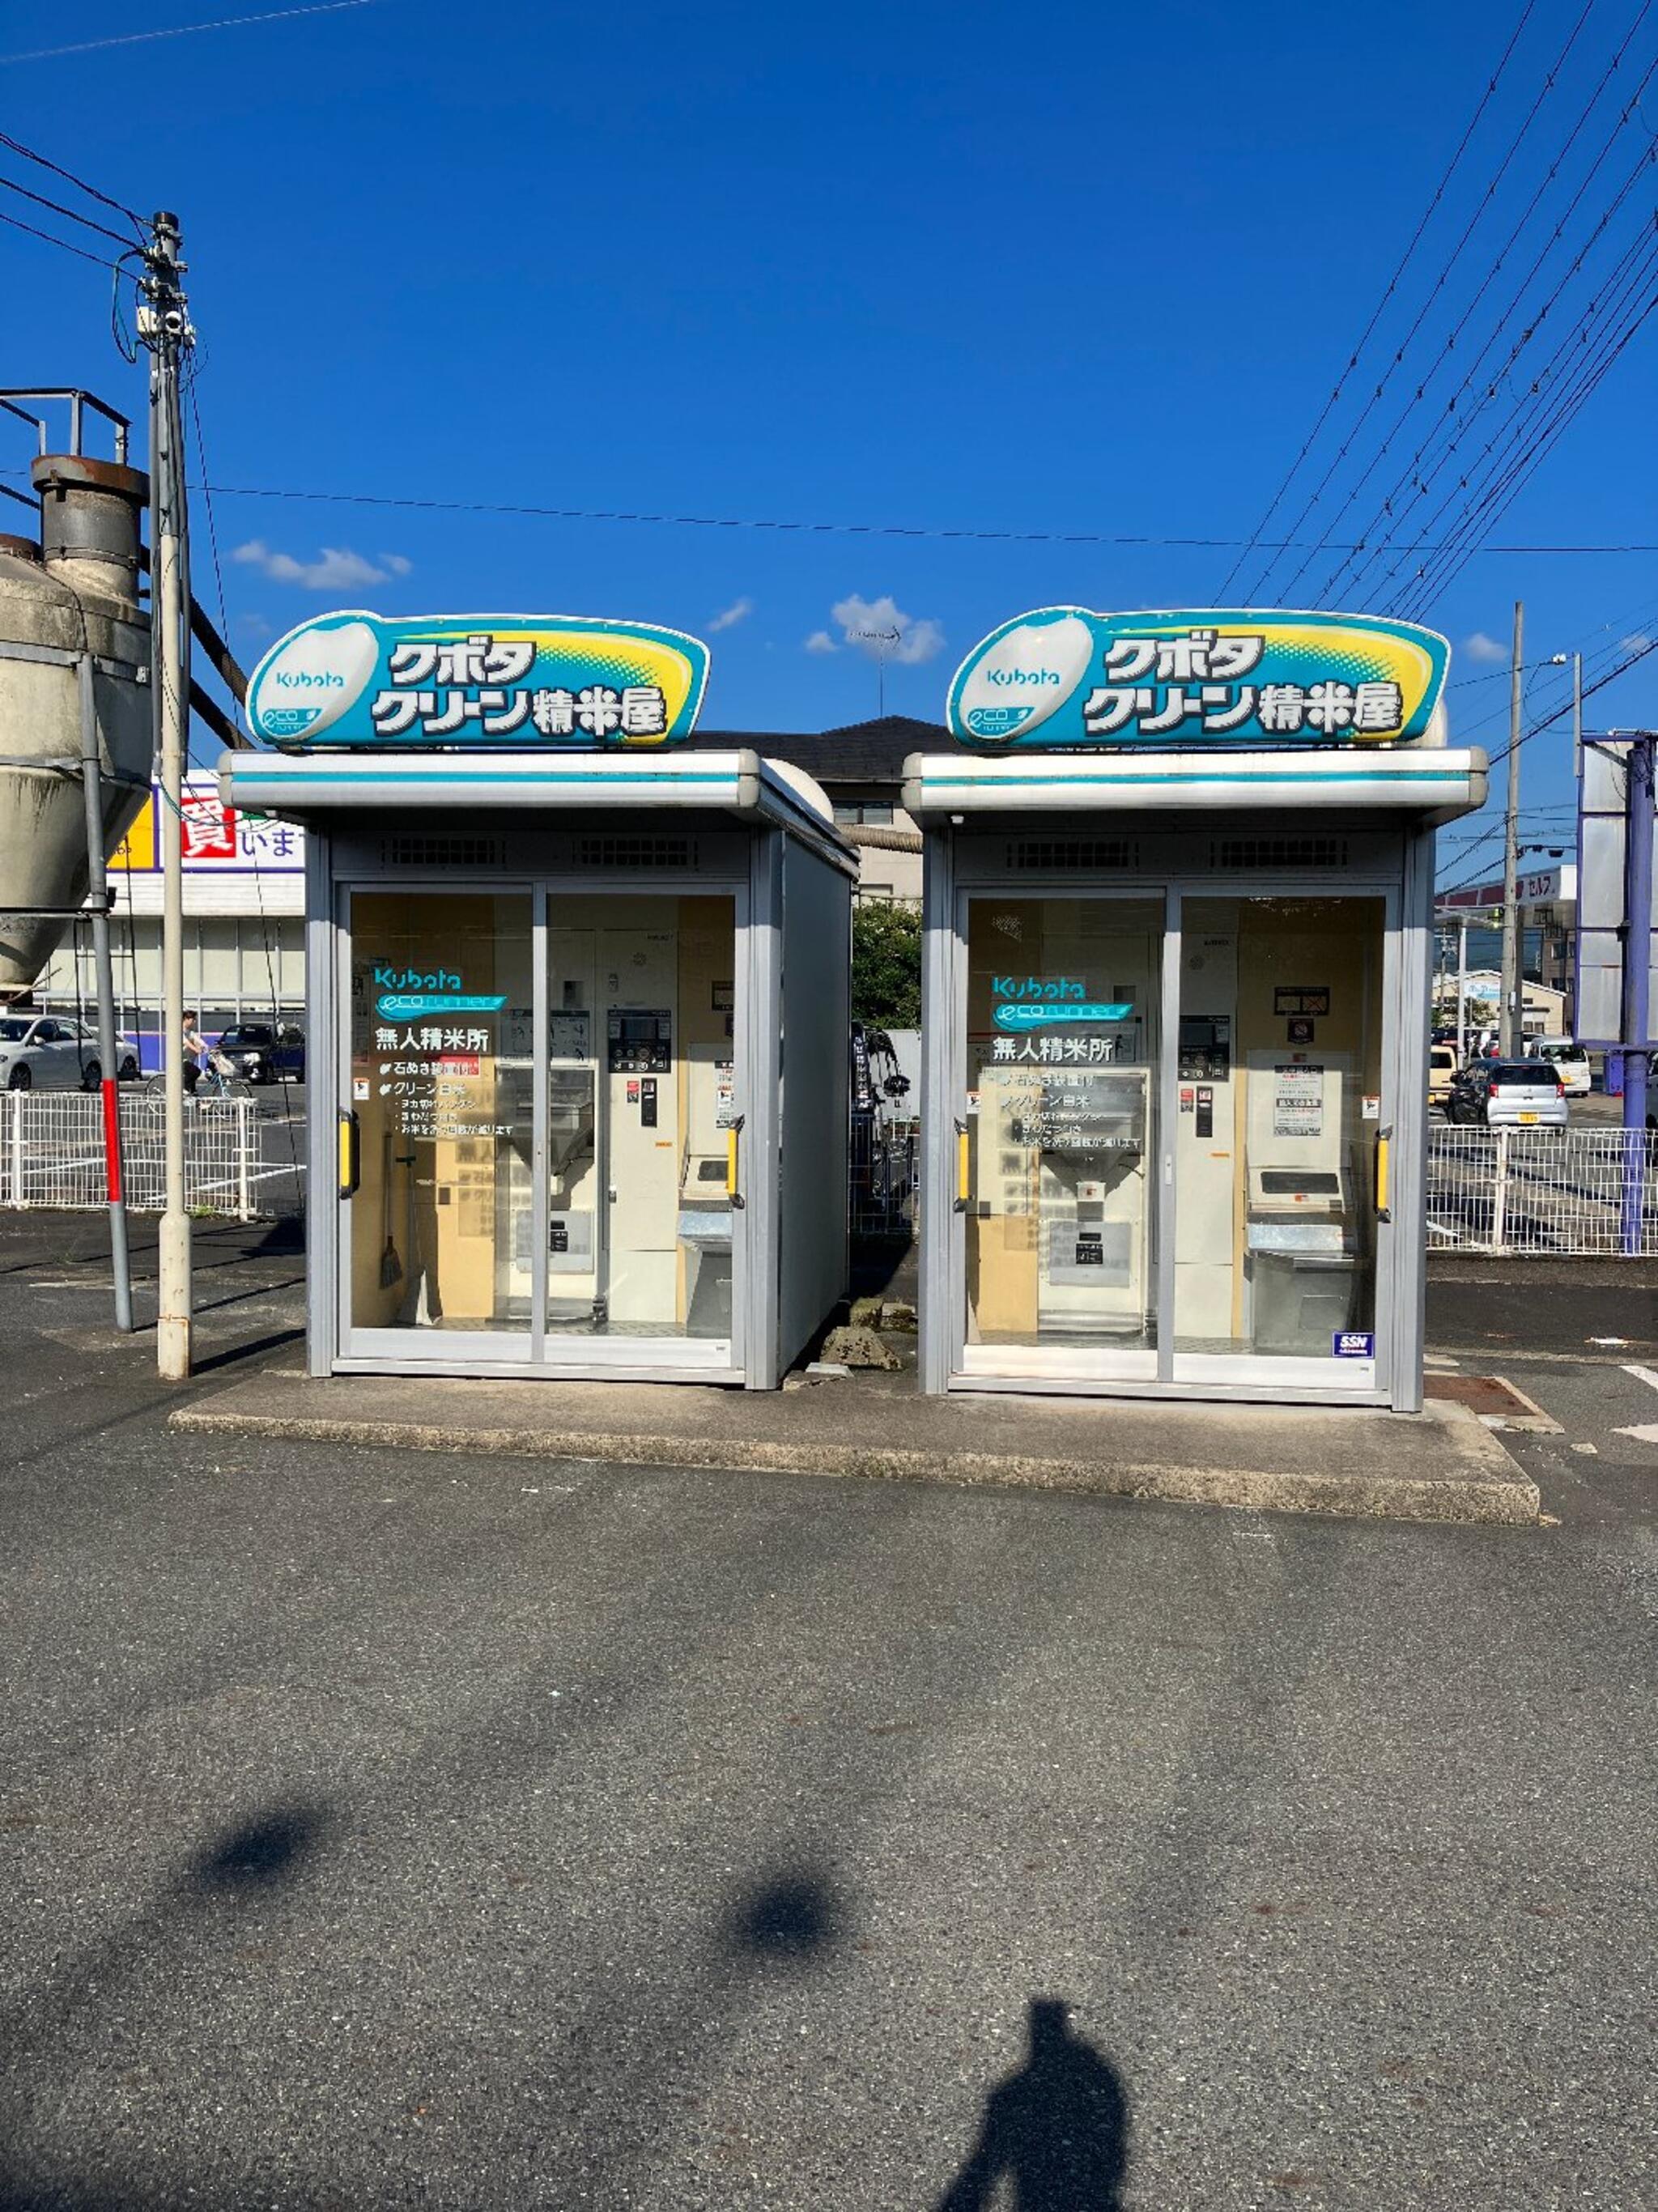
[54,1052]
[1509,1094]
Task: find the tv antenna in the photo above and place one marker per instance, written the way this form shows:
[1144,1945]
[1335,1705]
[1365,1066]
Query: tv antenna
[883,641]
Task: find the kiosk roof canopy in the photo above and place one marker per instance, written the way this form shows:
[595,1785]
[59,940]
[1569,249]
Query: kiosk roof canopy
[1436,784]
[738,782]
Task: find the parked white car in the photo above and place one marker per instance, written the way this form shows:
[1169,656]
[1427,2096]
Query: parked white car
[1569,1062]
[54,1052]
[1508,1094]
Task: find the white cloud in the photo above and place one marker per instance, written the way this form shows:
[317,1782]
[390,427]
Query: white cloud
[335,569]
[738,610]
[1637,641]
[254,626]
[821,642]
[881,628]
[1481,648]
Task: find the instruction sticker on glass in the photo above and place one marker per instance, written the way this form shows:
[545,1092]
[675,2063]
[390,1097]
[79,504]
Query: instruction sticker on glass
[1297,1100]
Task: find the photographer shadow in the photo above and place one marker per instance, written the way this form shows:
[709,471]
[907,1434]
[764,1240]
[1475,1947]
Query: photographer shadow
[1057,2129]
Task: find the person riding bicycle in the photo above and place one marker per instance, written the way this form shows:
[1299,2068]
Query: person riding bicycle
[200,1056]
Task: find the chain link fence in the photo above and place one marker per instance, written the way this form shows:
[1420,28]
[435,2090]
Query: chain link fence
[240,1160]
[1561,1194]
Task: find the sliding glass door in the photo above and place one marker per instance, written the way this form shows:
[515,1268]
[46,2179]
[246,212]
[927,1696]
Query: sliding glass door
[1167,1138]
[539,1106]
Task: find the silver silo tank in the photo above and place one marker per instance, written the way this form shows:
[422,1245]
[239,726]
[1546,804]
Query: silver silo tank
[77,591]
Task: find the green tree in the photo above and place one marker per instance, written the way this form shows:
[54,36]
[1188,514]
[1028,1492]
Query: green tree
[886,965]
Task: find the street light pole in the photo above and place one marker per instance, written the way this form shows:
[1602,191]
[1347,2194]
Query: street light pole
[164,326]
[1509,1013]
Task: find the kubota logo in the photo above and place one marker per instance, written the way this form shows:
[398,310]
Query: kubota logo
[1022,677]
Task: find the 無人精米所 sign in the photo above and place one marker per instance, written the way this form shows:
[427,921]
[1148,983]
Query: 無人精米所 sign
[1063,677]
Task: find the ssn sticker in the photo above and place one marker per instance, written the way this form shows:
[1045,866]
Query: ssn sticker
[1353,1344]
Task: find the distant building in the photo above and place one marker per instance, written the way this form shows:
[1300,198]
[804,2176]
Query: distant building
[243,914]
[1542,1010]
[1548,929]
[861,768]
[243,879]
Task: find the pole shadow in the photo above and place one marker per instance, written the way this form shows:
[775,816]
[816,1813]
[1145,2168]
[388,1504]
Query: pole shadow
[1057,2130]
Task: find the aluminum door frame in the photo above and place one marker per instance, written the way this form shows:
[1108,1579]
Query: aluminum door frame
[1089,1370]
[641,1358]
[1398,1286]
[1283,1379]
[389,1351]
[336,1345]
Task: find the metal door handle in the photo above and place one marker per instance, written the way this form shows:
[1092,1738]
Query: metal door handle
[732,1160]
[1383,1166]
[964,1168]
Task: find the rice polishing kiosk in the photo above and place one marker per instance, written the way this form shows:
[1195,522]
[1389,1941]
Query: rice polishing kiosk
[1178,884]
[553,967]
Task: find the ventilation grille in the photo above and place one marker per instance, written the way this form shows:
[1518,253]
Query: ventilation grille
[1278,852]
[636,853]
[419,851]
[1075,854]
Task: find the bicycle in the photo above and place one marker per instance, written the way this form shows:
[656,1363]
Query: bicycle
[212,1089]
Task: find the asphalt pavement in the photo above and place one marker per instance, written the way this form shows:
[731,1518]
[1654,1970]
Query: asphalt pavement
[391,1830]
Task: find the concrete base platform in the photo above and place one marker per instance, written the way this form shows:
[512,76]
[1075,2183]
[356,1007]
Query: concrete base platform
[1441,1465]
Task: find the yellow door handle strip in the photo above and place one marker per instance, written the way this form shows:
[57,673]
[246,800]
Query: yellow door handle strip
[1383,1150]
[349,1169]
[730,1163]
[962,1168]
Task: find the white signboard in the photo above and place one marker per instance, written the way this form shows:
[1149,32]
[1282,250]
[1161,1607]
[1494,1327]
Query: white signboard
[1297,1100]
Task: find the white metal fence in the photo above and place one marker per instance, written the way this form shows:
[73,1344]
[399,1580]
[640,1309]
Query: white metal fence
[239,1159]
[1545,1193]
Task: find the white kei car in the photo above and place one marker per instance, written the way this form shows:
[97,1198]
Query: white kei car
[54,1052]
[1569,1062]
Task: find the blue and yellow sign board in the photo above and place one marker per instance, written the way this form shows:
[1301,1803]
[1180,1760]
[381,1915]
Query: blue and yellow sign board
[509,682]
[1063,677]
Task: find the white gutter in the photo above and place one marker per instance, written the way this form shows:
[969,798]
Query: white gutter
[1428,781]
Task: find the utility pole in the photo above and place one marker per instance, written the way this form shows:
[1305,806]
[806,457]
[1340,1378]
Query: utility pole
[1462,987]
[109,1063]
[164,327]
[1508,1040]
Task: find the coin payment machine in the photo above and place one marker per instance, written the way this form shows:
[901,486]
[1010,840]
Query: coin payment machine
[637,1152]
[1301,1237]
[1091,1200]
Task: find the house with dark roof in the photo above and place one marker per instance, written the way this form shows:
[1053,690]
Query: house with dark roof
[861,768]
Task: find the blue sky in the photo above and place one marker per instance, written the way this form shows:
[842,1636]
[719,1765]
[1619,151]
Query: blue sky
[1080,268]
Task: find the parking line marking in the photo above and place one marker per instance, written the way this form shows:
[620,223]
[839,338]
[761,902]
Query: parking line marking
[1641,1374]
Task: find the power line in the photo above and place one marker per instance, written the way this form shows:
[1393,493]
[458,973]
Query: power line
[812,528]
[10,184]
[1438,285]
[404,503]
[1417,461]
[1627,275]
[1644,619]
[1589,689]
[1501,495]
[1490,277]
[29,154]
[184,30]
[1392,286]
[97,260]
[1540,390]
